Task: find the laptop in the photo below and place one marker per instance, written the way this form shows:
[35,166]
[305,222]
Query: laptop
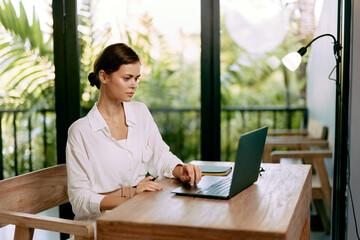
[245,172]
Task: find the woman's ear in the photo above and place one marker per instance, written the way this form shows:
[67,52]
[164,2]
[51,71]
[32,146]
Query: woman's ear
[103,76]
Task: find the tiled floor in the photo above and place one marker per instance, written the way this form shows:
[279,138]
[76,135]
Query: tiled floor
[7,233]
[319,236]
[316,223]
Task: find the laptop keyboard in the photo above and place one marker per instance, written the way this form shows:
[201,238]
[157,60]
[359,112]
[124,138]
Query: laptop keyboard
[221,187]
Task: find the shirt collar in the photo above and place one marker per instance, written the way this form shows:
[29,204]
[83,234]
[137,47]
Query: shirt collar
[129,114]
[97,122]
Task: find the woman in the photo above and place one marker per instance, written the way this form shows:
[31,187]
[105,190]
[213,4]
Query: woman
[110,151]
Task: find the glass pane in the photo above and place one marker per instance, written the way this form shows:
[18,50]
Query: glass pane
[27,87]
[256,88]
[169,47]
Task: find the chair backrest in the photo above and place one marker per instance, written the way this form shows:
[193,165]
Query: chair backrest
[317,129]
[331,139]
[36,191]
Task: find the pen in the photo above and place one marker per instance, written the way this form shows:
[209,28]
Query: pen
[154,178]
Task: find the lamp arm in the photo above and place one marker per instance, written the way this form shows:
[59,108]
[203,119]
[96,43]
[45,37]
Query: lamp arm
[337,46]
[327,34]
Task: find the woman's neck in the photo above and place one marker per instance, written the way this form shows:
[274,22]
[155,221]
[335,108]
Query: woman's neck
[114,116]
[109,109]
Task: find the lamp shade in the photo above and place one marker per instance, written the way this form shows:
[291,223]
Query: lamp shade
[292,61]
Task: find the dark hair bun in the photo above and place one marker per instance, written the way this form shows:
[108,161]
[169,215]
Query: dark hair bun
[94,80]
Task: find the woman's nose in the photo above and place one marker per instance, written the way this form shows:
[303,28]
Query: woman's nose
[134,84]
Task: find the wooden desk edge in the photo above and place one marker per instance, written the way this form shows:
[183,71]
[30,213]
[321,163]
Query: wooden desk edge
[126,230]
[302,212]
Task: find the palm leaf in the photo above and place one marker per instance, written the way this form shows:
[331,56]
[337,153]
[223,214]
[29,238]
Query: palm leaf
[26,59]
[28,78]
[24,23]
[18,61]
[4,45]
[19,26]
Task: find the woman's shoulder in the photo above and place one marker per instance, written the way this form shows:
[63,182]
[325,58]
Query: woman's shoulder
[137,111]
[78,125]
[138,106]
[82,126]
[91,121]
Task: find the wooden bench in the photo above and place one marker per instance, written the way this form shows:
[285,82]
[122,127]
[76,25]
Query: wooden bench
[314,130]
[314,136]
[22,197]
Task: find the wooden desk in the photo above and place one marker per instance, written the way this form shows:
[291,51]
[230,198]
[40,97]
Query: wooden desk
[277,206]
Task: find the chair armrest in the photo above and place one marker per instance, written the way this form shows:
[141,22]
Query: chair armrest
[288,132]
[293,142]
[275,156]
[77,228]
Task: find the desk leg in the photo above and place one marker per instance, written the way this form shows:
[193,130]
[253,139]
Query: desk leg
[305,234]
[266,154]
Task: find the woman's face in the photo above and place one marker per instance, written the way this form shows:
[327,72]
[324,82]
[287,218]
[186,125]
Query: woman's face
[121,85]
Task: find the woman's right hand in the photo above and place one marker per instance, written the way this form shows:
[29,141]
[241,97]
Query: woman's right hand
[148,185]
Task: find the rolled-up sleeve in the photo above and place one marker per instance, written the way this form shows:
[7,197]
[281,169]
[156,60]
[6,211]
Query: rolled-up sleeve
[84,201]
[163,160]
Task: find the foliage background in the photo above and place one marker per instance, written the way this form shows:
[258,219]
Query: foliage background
[169,81]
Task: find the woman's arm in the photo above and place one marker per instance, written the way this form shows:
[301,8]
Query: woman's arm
[109,203]
[162,161]
[84,201]
[119,196]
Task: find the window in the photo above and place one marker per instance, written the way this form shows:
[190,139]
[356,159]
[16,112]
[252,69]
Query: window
[169,48]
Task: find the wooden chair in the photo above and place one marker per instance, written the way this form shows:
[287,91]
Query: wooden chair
[314,136]
[23,196]
[321,184]
[314,130]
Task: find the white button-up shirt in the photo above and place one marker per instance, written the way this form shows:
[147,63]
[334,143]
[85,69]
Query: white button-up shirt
[98,163]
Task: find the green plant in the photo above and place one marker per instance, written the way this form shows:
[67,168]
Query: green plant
[27,81]
[26,57]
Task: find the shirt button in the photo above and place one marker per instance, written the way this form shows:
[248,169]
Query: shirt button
[130,169]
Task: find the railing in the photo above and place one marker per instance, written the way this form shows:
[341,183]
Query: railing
[24,134]
[176,124]
[28,138]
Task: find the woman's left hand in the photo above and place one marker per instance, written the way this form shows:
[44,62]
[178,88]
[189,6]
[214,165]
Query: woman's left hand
[148,185]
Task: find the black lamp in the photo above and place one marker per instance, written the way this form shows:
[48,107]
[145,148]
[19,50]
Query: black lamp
[292,62]
[293,59]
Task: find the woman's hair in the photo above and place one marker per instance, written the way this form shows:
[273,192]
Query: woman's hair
[110,60]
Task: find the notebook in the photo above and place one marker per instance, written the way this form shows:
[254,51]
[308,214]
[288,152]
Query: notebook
[245,172]
[215,170]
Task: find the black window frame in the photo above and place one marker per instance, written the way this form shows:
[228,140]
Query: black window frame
[67,92]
